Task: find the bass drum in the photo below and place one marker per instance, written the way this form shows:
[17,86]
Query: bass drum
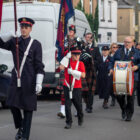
[123,78]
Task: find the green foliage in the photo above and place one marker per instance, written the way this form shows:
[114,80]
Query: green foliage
[93,21]
[96,23]
[79,6]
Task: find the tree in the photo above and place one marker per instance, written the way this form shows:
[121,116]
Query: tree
[93,22]
[96,22]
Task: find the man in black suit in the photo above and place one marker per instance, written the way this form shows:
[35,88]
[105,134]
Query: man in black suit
[127,53]
[91,68]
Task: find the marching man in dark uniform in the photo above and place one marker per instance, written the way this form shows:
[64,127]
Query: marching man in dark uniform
[73,75]
[24,96]
[127,53]
[90,56]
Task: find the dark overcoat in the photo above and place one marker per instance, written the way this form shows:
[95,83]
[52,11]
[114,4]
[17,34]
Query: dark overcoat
[104,80]
[24,97]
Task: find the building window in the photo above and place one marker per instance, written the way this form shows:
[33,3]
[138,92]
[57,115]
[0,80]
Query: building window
[109,37]
[99,37]
[134,20]
[102,11]
[91,8]
[110,11]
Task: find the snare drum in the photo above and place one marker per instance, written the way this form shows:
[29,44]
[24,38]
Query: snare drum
[123,78]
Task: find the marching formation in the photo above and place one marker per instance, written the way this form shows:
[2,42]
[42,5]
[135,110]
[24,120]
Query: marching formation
[99,67]
[87,71]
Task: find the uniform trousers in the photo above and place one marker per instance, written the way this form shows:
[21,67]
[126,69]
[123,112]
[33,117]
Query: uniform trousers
[126,102]
[22,122]
[76,100]
[138,93]
[90,95]
[90,98]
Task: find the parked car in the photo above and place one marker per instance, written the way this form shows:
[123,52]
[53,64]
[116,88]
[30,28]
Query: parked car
[5,79]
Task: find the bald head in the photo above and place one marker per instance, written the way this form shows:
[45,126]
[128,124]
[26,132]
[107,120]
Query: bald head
[128,42]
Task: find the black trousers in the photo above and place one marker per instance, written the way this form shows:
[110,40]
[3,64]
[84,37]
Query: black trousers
[76,100]
[129,106]
[111,89]
[128,103]
[138,93]
[22,122]
[90,95]
[90,99]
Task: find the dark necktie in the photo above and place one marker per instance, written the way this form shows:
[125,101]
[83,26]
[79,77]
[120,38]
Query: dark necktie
[127,51]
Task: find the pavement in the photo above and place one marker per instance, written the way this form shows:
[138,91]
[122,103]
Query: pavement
[102,124]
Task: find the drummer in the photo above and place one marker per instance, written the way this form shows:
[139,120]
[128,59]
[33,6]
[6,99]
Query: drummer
[127,53]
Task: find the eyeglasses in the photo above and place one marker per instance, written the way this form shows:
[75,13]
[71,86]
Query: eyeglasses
[115,47]
[127,42]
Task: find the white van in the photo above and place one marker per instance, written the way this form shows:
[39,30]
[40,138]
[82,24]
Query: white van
[46,16]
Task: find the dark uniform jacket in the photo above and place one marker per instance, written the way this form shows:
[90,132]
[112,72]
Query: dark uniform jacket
[24,97]
[90,62]
[134,56]
[103,79]
[96,55]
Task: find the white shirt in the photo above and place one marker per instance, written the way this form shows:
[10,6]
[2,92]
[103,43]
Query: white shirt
[89,46]
[128,50]
[104,58]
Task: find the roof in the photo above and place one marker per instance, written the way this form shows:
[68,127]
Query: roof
[132,2]
[125,4]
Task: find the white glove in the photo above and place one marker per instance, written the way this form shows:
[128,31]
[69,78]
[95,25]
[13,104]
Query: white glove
[68,55]
[38,88]
[39,80]
[70,71]
[17,34]
[76,74]
[7,36]
[65,60]
[78,39]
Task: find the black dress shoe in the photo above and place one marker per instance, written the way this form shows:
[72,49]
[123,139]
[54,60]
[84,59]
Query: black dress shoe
[89,110]
[128,118]
[80,121]
[105,106]
[59,114]
[112,103]
[19,134]
[68,126]
[123,115]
